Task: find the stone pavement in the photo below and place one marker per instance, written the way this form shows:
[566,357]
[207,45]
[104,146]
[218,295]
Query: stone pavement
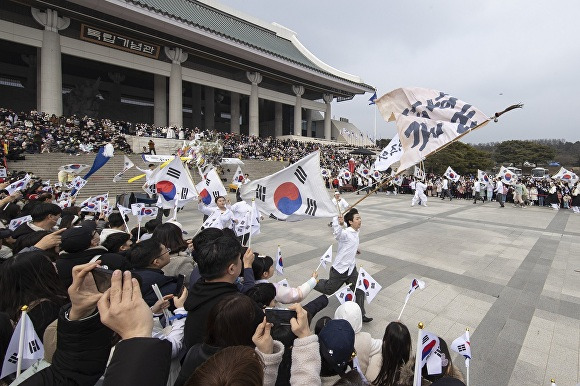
[509,274]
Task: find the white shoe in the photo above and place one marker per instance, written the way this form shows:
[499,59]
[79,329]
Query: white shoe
[425,205]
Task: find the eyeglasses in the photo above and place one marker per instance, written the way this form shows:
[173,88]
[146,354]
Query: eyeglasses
[167,251]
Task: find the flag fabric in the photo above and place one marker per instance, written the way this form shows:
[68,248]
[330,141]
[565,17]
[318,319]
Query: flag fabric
[373,99]
[73,168]
[450,173]
[462,346]
[33,349]
[77,184]
[324,173]
[3,173]
[326,258]
[66,203]
[255,220]
[284,283]
[279,262]
[123,210]
[415,284]
[127,164]
[363,171]
[242,212]
[15,223]
[427,120]
[345,174]
[100,160]
[398,180]
[566,176]
[507,176]
[390,154]
[148,211]
[483,178]
[97,204]
[428,345]
[154,158]
[367,284]
[18,185]
[238,176]
[419,173]
[292,194]
[211,187]
[136,208]
[173,185]
[345,295]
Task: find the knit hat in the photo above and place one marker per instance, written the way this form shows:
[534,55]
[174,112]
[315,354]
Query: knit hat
[337,344]
[77,238]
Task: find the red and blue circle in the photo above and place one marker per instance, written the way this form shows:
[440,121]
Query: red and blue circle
[205,197]
[166,189]
[348,297]
[452,175]
[280,262]
[507,177]
[566,177]
[366,283]
[287,198]
[74,166]
[146,211]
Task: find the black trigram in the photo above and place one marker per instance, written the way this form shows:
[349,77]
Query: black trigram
[184,192]
[461,347]
[13,358]
[33,346]
[261,193]
[173,173]
[207,182]
[300,174]
[425,339]
[273,217]
[311,206]
[215,194]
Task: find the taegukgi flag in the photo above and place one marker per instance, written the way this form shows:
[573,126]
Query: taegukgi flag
[292,194]
[462,346]
[326,257]
[367,284]
[415,284]
[390,154]
[507,176]
[451,174]
[15,223]
[32,349]
[345,295]
[345,174]
[73,168]
[566,176]
[483,178]
[238,178]
[173,185]
[210,188]
[279,262]
[426,120]
[127,164]
[18,185]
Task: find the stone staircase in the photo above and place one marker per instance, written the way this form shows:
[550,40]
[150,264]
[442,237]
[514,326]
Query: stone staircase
[46,167]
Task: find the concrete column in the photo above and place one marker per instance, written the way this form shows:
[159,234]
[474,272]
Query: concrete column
[196,105]
[278,115]
[159,100]
[209,112]
[50,60]
[177,56]
[298,91]
[327,124]
[309,124]
[235,113]
[254,125]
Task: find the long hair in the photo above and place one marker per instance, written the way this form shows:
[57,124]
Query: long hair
[171,236]
[261,265]
[28,277]
[396,351]
[231,322]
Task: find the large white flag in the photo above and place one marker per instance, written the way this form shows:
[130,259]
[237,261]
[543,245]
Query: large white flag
[73,168]
[127,164]
[483,178]
[450,173]
[419,173]
[566,176]
[238,176]
[32,349]
[367,284]
[173,185]
[507,176]
[210,188]
[390,154]
[292,194]
[18,185]
[426,120]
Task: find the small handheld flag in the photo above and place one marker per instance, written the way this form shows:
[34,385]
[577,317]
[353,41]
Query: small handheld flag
[325,258]
[24,348]
[279,262]
[345,294]
[415,283]
[373,99]
[367,284]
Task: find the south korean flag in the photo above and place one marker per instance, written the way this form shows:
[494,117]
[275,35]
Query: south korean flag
[173,185]
[293,194]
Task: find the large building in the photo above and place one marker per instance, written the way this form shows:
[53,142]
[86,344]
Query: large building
[181,63]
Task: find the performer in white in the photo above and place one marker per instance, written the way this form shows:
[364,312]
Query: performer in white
[341,203]
[419,196]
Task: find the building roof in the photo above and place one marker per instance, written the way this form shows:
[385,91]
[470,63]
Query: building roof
[230,24]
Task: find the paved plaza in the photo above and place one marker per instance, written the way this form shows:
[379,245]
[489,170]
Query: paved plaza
[509,274]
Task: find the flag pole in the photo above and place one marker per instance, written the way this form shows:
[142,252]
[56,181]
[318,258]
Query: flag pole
[139,229]
[125,222]
[248,215]
[495,117]
[338,290]
[404,305]
[23,317]
[319,264]
[417,380]
[467,359]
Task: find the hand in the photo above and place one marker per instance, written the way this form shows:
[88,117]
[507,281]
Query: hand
[162,304]
[50,241]
[83,291]
[248,258]
[299,325]
[123,309]
[180,301]
[262,338]
[315,274]
[341,220]
[15,196]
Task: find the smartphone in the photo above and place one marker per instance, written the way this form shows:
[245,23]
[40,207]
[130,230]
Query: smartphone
[180,285]
[279,316]
[103,276]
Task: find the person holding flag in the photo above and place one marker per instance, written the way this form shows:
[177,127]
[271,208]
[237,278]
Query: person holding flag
[344,267]
[220,217]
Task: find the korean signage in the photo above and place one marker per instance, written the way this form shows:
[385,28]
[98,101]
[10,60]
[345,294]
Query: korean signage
[99,36]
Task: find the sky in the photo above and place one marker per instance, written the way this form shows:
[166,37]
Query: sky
[491,54]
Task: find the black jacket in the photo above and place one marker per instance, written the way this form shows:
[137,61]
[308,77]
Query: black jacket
[195,357]
[66,262]
[149,276]
[202,297]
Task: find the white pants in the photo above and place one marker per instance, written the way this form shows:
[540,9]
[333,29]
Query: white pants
[419,197]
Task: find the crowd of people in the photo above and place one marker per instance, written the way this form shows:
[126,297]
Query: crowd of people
[181,311]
